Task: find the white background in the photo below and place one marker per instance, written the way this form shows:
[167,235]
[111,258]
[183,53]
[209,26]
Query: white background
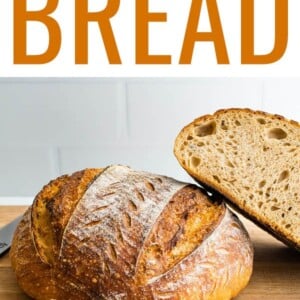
[50,127]
[129,114]
[165,38]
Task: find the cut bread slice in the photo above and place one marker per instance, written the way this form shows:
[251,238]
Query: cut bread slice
[252,158]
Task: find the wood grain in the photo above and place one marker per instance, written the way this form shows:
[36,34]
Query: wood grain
[9,289]
[276,274]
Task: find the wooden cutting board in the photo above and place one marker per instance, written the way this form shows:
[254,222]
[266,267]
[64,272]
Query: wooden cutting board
[276,274]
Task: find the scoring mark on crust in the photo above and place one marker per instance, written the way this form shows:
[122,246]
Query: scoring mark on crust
[149,186]
[139,195]
[127,220]
[93,223]
[100,208]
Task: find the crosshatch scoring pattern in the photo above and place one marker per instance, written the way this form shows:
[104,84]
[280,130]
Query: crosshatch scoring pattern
[52,126]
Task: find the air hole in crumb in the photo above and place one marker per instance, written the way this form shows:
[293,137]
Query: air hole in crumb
[288,225]
[251,196]
[223,125]
[265,148]
[229,164]
[238,123]
[189,138]
[206,129]
[200,144]
[283,215]
[277,133]
[216,178]
[286,187]
[220,150]
[195,161]
[290,208]
[261,121]
[284,175]
[262,184]
[260,204]
[275,200]
[274,208]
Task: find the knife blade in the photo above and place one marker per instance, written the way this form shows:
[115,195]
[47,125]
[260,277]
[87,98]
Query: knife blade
[6,234]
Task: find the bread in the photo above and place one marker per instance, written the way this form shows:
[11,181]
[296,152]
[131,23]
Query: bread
[253,159]
[121,234]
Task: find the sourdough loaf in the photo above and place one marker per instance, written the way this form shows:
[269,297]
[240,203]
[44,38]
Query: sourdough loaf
[252,158]
[121,234]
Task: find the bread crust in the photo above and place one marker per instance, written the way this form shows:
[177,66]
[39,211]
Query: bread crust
[110,230]
[38,279]
[52,209]
[215,270]
[214,186]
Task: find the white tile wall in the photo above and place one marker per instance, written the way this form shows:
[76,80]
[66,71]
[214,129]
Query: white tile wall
[158,109]
[24,170]
[53,126]
[283,97]
[153,158]
[39,112]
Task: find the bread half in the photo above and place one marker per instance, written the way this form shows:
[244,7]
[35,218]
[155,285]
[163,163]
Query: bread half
[252,158]
[124,234]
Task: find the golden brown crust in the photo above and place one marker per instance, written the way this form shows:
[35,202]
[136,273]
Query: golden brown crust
[41,217]
[247,110]
[37,278]
[119,210]
[110,228]
[25,260]
[218,269]
[66,200]
[214,185]
[194,217]
[53,207]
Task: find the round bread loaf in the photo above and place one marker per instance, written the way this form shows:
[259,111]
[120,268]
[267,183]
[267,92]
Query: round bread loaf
[121,234]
